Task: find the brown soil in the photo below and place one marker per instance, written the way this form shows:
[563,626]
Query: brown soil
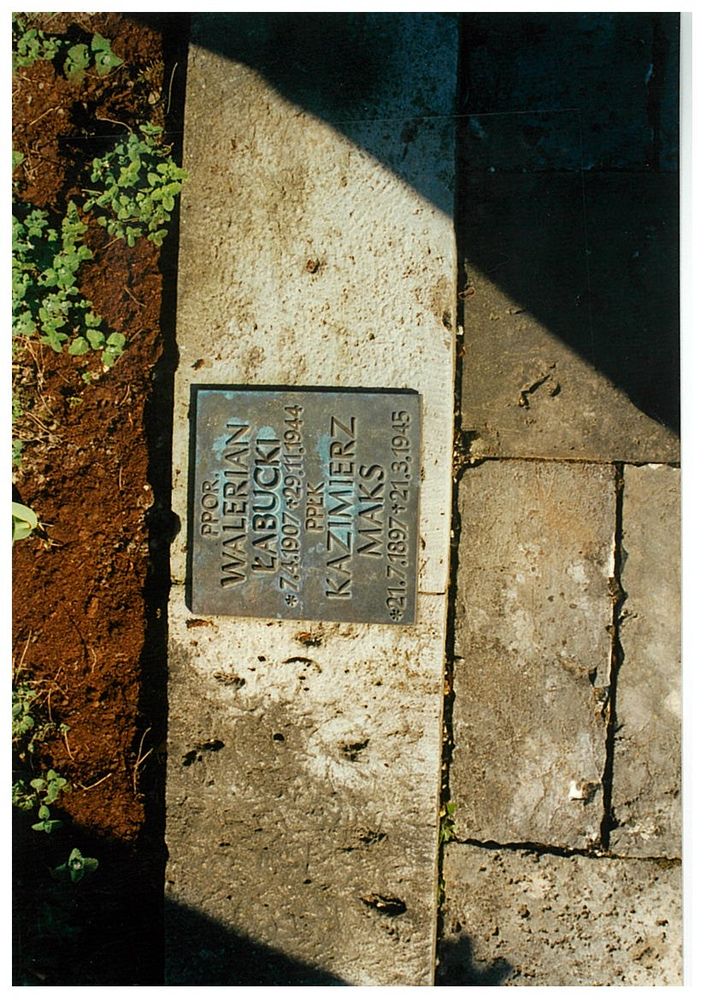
[90,587]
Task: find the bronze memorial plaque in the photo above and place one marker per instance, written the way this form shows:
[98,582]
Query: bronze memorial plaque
[304,503]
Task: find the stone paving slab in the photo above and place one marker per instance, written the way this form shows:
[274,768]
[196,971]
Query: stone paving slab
[621,94]
[522,919]
[304,758]
[569,355]
[647,764]
[533,649]
[568,216]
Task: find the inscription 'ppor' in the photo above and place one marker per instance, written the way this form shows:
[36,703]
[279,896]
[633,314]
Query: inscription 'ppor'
[304,504]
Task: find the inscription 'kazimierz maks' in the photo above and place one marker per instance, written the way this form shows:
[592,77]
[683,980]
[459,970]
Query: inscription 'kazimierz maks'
[304,504]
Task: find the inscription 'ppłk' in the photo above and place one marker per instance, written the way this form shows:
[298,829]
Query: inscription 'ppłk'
[304,504]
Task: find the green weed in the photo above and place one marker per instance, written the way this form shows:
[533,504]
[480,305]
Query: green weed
[24,521]
[80,57]
[48,789]
[29,730]
[77,61]
[45,293]
[25,730]
[139,184]
[76,868]
[31,44]
[103,56]
[447,822]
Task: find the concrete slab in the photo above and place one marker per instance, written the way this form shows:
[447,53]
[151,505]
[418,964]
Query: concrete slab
[303,795]
[304,757]
[568,216]
[623,84]
[572,337]
[647,763]
[520,919]
[533,647]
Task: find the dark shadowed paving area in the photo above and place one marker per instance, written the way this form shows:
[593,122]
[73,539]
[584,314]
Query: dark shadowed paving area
[565,723]
[568,231]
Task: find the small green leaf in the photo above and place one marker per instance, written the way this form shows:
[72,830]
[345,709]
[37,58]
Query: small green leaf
[107,61]
[99,43]
[24,521]
[77,867]
[78,346]
[76,62]
[48,825]
[95,338]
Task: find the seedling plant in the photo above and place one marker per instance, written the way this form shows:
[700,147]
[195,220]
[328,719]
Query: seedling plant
[75,868]
[447,823]
[31,44]
[29,732]
[139,184]
[45,293]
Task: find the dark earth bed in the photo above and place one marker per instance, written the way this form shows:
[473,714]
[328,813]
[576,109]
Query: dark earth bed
[90,585]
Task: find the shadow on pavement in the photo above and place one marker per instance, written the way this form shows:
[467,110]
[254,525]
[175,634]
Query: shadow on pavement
[568,139]
[458,967]
[568,185]
[210,955]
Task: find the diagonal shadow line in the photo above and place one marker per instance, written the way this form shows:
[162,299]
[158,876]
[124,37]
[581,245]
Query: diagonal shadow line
[571,210]
[210,954]
[107,929]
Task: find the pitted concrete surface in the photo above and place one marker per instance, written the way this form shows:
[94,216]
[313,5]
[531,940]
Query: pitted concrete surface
[647,771]
[304,758]
[518,918]
[533,651]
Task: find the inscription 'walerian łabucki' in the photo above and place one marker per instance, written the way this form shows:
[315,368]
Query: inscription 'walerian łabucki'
[304,504]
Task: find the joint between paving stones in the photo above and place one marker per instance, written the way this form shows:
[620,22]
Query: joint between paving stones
[460,448]
[465,459]
[618,597]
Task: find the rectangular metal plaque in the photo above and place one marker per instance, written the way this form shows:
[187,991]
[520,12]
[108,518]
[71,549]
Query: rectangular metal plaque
[304,503]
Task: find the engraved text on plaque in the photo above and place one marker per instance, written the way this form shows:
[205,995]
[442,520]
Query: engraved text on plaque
[304,503]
